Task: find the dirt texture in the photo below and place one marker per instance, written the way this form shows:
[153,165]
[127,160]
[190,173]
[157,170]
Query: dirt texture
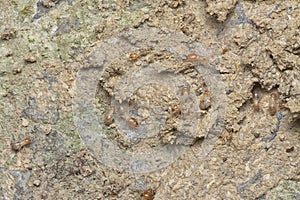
[164,99]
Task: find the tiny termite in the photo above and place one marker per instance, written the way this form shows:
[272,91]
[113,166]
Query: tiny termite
[192,57]
[109,118]
[133,56]
[132,122]
[205,100]
[273,103]
[175,110]
[201,88]
[185,30]
[185,90]
[255,100]
[18,146]
[148,194]
[226,136]
[188,18]
[195,58]
[224,50]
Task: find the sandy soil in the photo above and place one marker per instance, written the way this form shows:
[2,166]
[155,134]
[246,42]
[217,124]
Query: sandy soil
[170,99]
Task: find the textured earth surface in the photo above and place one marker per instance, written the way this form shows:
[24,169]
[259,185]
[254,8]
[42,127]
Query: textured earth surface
[241,142]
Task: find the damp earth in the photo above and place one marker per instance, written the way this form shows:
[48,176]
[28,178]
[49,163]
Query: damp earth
[169,99]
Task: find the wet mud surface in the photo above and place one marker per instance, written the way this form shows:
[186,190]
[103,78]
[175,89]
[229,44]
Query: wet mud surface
[149,100]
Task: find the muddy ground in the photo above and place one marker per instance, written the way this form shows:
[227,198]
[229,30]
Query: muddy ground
[67,66]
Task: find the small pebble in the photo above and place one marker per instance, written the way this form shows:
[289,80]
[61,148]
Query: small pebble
[72,53]
[138,63]
[9,53]
[256,134]
[16,71]
[37,183]
[25,122]
[290,149]
[8,34]
[30,59]
[48,4]
[46,129]
[281,138]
